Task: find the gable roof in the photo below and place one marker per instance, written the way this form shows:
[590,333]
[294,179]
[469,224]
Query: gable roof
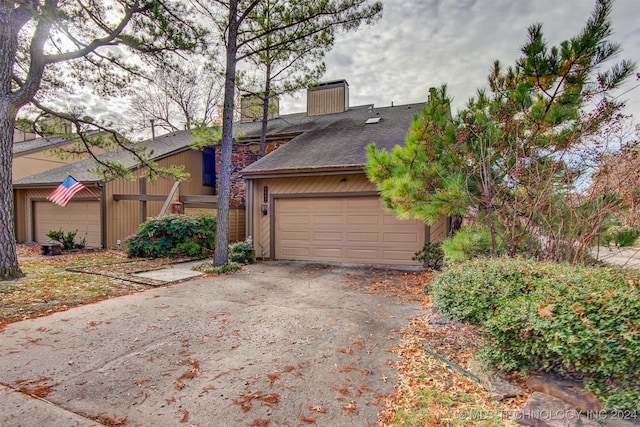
[161,146]
[38,144]
[336,141]
[327,142]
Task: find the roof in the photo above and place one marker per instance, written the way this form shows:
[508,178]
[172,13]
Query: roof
[331,141]
[337,141]
[38,144]
[161,146]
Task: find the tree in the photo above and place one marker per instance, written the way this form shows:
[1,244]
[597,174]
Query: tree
[518,154]
[301,20]
[177,97]
[285,68]
[48,45]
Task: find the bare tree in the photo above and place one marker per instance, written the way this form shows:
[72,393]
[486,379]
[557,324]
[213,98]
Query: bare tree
[178,97]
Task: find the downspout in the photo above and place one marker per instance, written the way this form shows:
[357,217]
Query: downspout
[103,214]
[249,212]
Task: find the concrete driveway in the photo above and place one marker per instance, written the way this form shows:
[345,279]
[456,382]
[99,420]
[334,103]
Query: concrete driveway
[283,342]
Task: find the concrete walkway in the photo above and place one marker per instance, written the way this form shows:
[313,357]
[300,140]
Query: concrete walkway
[626,257]
[283,342]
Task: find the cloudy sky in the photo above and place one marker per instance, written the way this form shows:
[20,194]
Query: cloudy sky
[424,43]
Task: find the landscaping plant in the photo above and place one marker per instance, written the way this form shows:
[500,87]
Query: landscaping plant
[174,236]
[68,239]
[575,320]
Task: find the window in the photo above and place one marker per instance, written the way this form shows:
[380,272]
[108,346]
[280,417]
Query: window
[209,167]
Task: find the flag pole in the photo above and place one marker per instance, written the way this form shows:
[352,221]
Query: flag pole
[86,188]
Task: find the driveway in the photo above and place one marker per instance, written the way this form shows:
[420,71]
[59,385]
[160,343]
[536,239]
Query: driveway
[287,343]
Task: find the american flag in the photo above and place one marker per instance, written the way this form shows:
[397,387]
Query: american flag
[65,191]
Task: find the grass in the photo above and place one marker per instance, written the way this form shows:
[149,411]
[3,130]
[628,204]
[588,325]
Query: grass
[48,286]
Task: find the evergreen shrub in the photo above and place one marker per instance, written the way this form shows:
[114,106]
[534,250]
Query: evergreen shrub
[174,236]
[583,321]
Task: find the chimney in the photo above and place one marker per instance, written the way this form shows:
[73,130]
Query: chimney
[251,108]
[327,98]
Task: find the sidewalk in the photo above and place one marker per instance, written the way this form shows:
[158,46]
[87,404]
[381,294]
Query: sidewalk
[627,257]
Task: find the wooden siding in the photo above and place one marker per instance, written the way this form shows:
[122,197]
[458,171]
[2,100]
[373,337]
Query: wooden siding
[31,163]
[309,186]
[124,216]
[237,220]
[327,100]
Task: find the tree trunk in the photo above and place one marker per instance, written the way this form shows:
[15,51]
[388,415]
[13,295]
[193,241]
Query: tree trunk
[9,268]
[265,112]
[221,255]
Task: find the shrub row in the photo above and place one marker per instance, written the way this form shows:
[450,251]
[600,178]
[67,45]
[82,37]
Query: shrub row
[553,317]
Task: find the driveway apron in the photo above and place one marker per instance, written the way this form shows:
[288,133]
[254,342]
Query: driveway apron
[287,343]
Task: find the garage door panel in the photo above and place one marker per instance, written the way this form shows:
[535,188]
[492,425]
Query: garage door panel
[295,236]
[332,254]
[362,203]
[370,237]
[347,229]
[295,252]
[400,237]
[362,219]
[297,219]
[325,236]
[398,255]
[355,255]
[83,216]
[322,219]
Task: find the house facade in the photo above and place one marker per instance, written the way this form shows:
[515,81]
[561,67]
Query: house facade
[311,200]
[107,212]
[307,199]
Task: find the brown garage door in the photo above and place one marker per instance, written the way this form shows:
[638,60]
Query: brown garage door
[344,229]
[83,216]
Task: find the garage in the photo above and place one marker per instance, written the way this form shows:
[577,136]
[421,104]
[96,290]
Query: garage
[80,215]
[353,229]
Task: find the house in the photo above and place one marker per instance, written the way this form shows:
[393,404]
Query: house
[307,199]
[108,211]
[32,154]
[311,200]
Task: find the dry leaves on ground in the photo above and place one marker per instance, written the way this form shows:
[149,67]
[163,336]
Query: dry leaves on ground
[430,392]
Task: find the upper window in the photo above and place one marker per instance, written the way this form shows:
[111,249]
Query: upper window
[209,167]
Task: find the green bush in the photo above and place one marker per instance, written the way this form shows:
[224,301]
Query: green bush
[626,236]
[431,255]
[174,236]
[242,252]
[468,242]
[553,317]
[67,240]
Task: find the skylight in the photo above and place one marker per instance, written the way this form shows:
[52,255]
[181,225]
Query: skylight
[373,120]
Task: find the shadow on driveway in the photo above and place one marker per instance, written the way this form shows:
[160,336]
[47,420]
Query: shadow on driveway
[283,342]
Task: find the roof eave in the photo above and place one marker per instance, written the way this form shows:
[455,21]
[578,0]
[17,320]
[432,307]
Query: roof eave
[303,171]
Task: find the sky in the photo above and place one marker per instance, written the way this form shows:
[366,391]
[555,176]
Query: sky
[420,44]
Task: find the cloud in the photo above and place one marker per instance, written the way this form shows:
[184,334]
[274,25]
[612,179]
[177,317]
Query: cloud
[420,44]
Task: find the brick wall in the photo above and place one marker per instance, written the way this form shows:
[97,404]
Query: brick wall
[242,156]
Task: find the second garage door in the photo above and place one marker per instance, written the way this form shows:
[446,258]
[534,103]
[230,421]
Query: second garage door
[344,229]
[83,216]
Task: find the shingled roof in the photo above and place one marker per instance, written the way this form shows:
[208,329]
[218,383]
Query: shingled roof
[162,146]
[332,141]
[336,141]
